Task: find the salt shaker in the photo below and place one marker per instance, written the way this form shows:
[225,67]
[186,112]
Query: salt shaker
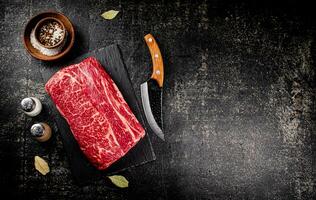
[41,131]
[31,106]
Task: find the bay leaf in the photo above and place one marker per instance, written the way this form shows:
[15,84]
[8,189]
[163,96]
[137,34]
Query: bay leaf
[111,14]
[119,181]
[41,165]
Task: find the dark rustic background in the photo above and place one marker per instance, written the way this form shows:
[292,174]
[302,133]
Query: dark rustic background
[239,101]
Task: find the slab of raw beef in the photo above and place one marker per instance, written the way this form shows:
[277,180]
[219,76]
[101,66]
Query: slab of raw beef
[98,116]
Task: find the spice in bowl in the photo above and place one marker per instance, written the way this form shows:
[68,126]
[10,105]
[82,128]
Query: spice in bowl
[49,36]
[51,33]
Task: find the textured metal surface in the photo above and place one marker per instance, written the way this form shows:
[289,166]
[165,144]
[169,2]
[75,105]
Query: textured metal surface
[152,105]
[239,98]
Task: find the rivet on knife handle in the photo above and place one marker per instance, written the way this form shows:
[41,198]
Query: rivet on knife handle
[158,73]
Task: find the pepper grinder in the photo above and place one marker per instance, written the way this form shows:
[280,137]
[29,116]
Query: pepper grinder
[41,131]
[31,106]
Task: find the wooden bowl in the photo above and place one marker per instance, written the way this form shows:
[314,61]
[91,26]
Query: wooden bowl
[40,24]
[31,25]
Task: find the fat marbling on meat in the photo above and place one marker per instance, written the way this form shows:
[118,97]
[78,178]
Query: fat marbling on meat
[99,117]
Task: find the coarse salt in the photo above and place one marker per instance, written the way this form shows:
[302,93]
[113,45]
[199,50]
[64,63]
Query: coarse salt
[43,50]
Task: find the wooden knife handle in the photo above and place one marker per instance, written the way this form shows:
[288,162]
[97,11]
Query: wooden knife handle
[158,72]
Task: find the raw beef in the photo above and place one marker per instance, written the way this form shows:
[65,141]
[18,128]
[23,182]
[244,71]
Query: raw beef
[98,116]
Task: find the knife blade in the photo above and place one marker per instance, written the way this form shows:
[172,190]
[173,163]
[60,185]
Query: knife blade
[152,89]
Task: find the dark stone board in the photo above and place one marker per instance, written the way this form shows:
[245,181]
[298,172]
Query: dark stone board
[83,171]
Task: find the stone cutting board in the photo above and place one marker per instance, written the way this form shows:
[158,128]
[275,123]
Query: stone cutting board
[83,172]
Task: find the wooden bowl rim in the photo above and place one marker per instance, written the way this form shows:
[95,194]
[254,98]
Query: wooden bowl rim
[61,54]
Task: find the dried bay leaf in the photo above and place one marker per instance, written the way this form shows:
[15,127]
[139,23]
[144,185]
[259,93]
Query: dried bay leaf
[111,14]
[41,165]
[119,181]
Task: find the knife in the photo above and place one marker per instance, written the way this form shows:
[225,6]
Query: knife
[151,90]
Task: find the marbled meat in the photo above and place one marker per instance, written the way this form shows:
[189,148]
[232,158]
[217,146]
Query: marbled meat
[99,117]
